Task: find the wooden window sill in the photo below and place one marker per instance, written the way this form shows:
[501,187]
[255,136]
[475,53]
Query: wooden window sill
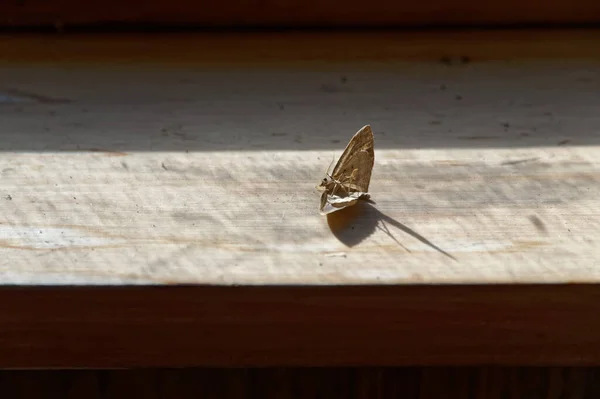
[158,202]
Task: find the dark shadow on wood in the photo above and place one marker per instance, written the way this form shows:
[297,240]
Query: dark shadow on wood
[353,224]
[195,109]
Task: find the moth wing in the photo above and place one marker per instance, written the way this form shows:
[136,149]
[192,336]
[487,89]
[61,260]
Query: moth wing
[358,155]
[326,207]
[332,203]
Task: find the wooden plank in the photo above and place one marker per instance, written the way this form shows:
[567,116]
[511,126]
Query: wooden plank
[296,13]
[185,172]
[335,51]
[299,326]
[484,173]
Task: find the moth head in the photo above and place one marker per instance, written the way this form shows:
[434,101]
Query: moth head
[323,185]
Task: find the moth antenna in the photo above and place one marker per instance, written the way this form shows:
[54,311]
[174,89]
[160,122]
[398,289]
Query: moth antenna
[331,163]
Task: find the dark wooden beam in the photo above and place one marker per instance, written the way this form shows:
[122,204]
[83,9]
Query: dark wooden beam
[299,326]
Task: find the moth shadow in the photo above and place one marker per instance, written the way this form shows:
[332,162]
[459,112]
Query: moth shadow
[353,224]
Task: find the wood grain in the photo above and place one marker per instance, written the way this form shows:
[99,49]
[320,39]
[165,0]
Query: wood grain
[296,13]
[480,247]
[335,51]
[57,327]
[484,173]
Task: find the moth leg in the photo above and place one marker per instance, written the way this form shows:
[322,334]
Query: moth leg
[353,174]
[343,183]
[352,177]
[348,180]
[336,183]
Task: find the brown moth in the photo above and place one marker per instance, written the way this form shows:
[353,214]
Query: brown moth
[351,176]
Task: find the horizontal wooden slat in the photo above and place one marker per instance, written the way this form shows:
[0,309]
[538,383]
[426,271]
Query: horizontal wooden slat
[341,51]
[326,326]
[62,13]
[484,173]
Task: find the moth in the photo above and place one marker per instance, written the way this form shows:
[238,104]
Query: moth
[351,175]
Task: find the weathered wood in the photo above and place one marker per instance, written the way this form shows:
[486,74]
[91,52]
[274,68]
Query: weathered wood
[296,13]
[156,174]
[484,173]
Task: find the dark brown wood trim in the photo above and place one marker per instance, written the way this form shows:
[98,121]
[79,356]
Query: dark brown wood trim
[265,13]
[328,326]
[305,50]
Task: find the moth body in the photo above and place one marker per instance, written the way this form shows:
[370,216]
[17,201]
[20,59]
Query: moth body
[351,176]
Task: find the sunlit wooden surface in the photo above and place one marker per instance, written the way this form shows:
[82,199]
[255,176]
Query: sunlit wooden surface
[484,172]
[120,168]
